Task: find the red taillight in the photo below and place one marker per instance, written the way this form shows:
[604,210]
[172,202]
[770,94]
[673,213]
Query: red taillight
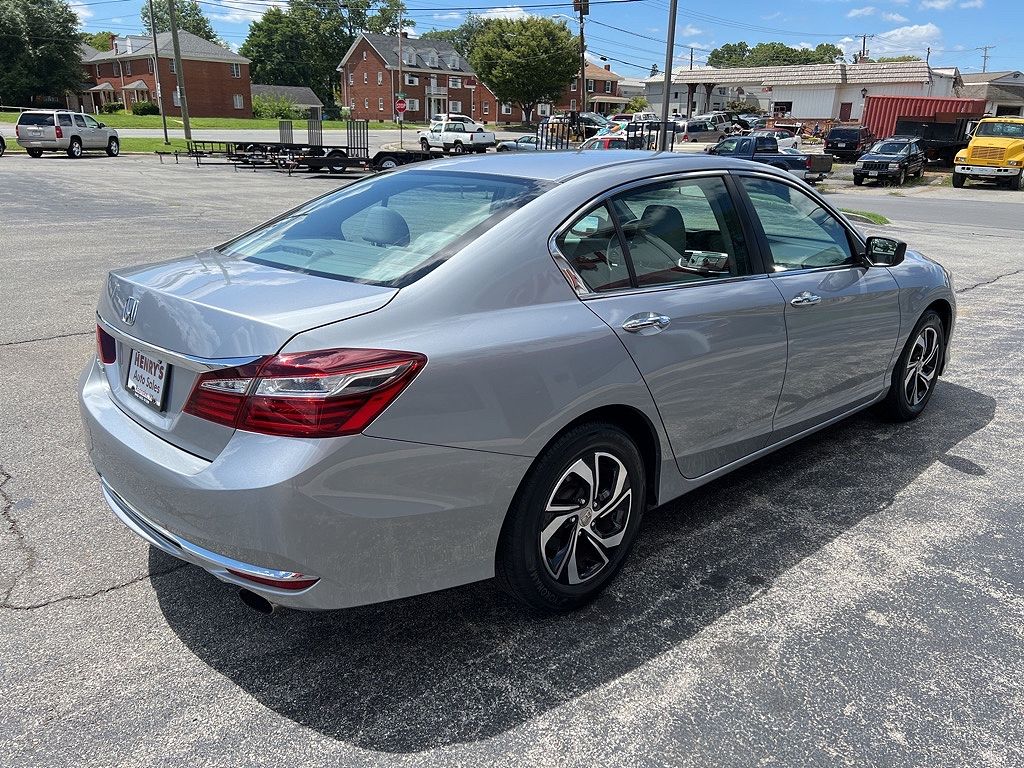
[106,347]
[808,163]
[327,393]
[686,137]
[297,580]
[58,133]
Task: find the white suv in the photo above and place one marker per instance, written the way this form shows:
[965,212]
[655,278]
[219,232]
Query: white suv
[58,130]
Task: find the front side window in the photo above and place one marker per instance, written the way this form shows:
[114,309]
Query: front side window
[80,121]
[800,233]
[389,230]
[90,121]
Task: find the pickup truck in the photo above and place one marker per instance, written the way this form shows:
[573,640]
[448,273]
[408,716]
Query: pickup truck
[764,149]
[455,137]
[996,153]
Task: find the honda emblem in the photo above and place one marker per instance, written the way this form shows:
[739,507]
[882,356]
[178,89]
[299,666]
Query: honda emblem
[131,306]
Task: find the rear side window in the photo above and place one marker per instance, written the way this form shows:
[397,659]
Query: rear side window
[64,120]
[36,118]
[389,230]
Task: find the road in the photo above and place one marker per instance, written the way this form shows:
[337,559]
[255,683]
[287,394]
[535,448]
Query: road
[855,599]
[952,210]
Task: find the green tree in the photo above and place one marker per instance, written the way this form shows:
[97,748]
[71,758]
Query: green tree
[385,17]
[101,41]
[729,55]
[882,59]
[327,33]
[39,42]
[190,18]
[525,61]
[654,70]
[462,36]
[276,47]
[771,55]
[638,104]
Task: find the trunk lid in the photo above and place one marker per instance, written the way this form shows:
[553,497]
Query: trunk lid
[219,309]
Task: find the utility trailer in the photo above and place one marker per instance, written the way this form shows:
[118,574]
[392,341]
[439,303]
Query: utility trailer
[941,141]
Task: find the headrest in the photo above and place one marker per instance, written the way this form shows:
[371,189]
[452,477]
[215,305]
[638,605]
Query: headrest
[385,227]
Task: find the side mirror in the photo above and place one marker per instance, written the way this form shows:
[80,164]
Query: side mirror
[884,252]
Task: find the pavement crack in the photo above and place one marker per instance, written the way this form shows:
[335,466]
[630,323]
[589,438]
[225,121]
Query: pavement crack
[6,605]
[46,338]
[21,542]
[967,288]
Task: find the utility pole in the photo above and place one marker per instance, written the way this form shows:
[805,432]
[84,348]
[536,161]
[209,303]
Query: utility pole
[667,83]
[928,55]
[691,59]
[984,56]
[156,72]
[583,6]
[863,47]
[401,82]
[179,72]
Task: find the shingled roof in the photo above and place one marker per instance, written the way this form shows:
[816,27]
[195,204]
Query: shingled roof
[299,95]
[807,74]
[387,47]
[192,47]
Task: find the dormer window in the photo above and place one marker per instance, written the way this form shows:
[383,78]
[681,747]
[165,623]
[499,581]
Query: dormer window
[453,61]
[409,56]
[432,59]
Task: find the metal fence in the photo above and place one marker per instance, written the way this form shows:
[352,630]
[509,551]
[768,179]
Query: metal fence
[569,133]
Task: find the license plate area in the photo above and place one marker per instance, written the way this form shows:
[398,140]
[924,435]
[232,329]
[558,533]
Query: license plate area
[147,379]
[872,173]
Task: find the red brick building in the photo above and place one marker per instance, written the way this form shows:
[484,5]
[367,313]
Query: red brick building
[602,94]
[217,82]
[435,79]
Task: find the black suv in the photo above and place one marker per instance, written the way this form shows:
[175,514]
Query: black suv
[891,159]
[848,142]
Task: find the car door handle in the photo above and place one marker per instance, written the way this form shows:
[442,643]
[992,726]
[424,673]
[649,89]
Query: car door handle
[651,322]
[805,299]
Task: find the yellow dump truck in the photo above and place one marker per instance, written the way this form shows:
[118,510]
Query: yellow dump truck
[996,153]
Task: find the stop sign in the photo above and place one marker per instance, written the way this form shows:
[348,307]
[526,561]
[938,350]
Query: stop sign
[400,106]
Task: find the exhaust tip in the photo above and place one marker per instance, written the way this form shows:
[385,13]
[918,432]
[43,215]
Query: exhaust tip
[258,603]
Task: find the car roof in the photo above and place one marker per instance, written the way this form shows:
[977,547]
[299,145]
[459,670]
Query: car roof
[560,166]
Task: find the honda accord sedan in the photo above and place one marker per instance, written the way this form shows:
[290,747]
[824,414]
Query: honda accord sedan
[491,366]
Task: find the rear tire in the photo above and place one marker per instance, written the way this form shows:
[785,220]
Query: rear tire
[35,152]
[958,180]
[113,148]
[458,149]
[424,145]
[387,163]
[75,148]
[917,369]
[573,520]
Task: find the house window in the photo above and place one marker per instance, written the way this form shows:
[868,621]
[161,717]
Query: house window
[543,110]
[412,80]
[380,78]
[590,86]
[412,105]
[128,67]
[150,62]
[487,108]
[575,84]
[115,69]
[607,86]
[173,70]
[455,106]
[353,103]
[351,78]
[506,109]
[453,61]
[572,105]
[366,103]
[454,82]
[432,59]
[238,101]
[236,69]
[176,98]
[409,57]
[380,105]
[364,55]
[366,78]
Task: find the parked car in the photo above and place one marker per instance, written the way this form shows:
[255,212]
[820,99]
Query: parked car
[522,144]
[454,371]
[636,117]
[698,130]
[764,149]
[455,137]
[891,160]
[58,130]
[3,146]
[610,141]
[448,117]
[848,142]
[785,139]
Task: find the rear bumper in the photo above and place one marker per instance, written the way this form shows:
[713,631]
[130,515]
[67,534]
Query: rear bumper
[374,519]
[989,171]
[41,144]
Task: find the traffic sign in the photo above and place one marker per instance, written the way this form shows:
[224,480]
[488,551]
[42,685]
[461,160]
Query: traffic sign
[400,106]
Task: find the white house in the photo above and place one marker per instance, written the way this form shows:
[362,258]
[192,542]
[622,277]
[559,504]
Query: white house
[807,91]
[1003,92]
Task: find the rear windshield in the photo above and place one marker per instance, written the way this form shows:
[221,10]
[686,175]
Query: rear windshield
[388,231]
[851,134]
[36,118]
[1004,130]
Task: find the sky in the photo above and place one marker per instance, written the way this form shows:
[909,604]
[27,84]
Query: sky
[631,34]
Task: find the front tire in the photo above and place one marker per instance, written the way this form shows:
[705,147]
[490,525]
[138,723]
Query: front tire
[75,148]
[573,520]
[1017,182]
[958,179]
[917,370]
[113,148]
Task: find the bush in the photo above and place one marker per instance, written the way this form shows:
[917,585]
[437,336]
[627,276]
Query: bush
[111,107]
[275,108]
[145,108]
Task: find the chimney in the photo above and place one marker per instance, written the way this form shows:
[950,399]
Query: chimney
[608,67]
[129,38]
[405,34]
[113,44]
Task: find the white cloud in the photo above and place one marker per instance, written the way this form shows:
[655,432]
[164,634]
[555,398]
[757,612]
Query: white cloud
[772,16]
[914,38]
[81,10]
[242,12]
[700,46]
[936,5]
[868,10]
[445,16]
[889,16]
[805,46]
[688,31]
[509,12]
[973,4]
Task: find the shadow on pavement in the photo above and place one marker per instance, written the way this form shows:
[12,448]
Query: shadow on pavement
[466,664]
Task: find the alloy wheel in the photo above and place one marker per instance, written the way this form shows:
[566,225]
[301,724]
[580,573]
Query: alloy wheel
[585,518]
[922,366]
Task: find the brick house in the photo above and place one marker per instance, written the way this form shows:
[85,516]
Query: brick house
[435,79]
[217,79]
[602,94]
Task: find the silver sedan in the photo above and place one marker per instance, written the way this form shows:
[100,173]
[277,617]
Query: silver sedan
[491,366]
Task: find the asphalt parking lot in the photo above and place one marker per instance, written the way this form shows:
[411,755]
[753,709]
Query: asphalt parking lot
[854,599]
